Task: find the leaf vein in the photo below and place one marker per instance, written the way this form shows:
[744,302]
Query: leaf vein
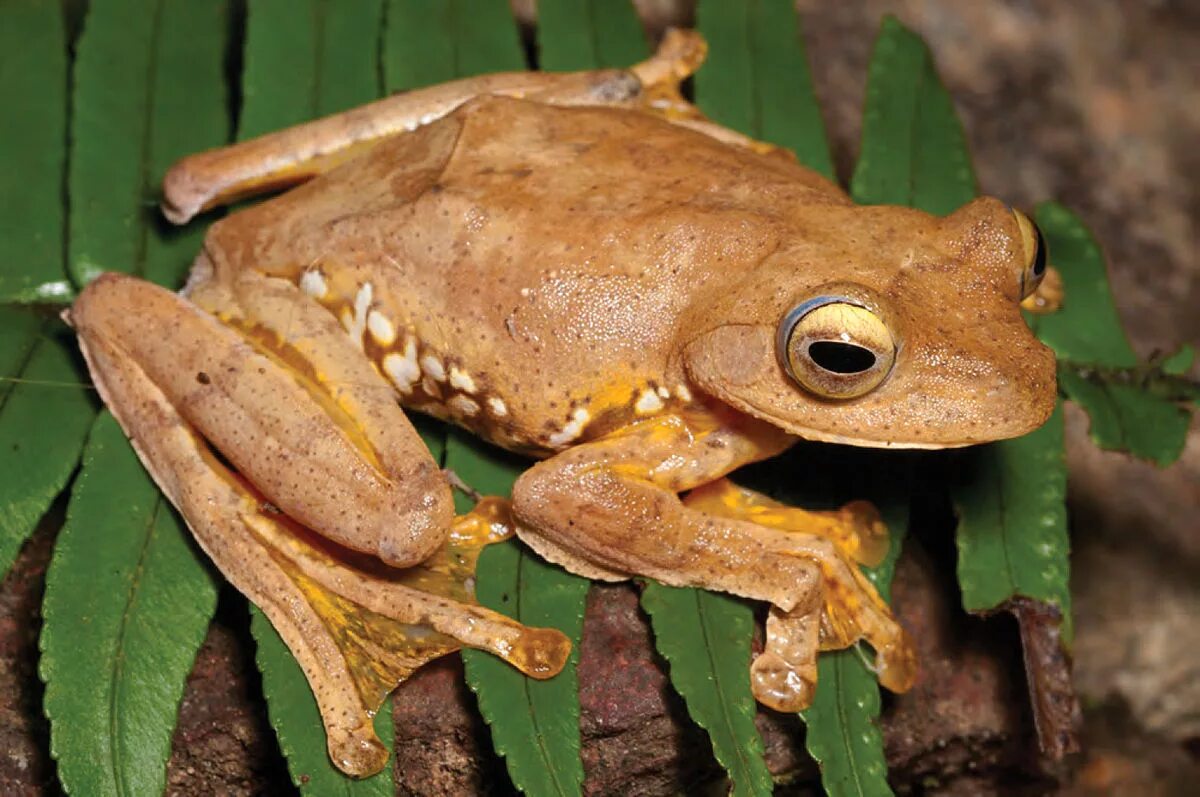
[18,372]
[712,663]
[116,679]
[534,717]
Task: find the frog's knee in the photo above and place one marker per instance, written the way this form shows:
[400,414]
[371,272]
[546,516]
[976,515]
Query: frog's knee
[417,530]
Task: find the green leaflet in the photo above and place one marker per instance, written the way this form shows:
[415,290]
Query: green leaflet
[18,337]
[115,668]
[1087,333]
[588,34]
[534,724]
[913,150]
[757,80]
[297,722]
[43,422]
[705,636]
[843,735]
[1180,362]
[1012,529]
[307,58]
[42,426]
[149,88]
[33,93]
[430,43]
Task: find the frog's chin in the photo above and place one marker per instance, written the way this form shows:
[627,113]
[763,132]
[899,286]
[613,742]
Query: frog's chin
[826,436]
[819,436]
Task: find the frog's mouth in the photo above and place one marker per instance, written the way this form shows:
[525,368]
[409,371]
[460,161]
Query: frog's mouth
[923,403]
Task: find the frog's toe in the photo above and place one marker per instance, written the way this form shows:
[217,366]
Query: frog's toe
[867,539]
[540,652]
[778,684]
[784,675]
[357,752]
[896,663]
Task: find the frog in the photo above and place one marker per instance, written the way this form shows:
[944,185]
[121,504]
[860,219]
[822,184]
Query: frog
[584,269]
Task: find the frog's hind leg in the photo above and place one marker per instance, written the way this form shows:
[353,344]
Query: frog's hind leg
[612,505]
[289,459]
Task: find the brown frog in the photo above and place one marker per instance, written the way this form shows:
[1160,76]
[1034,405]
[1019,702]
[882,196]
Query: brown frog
[580,268]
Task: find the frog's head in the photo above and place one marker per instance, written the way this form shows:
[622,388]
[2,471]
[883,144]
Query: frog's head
[885,326]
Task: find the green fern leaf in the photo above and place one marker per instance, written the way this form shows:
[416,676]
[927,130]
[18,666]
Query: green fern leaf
[705,637]
[588,34]
[1087,336]
[115,668]
[757,79]
[45,415]
[33,93]
[149,88]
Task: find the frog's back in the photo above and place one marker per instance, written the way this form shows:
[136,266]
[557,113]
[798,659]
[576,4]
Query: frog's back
[528,265]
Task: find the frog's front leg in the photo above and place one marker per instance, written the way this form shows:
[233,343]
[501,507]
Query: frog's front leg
[310,438]
[610,509]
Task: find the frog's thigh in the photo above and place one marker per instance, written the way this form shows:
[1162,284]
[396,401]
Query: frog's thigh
[337,455]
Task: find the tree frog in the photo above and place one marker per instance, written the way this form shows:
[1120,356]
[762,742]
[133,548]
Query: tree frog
[584,269]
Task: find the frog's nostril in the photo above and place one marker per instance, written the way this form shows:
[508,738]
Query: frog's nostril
[840,357]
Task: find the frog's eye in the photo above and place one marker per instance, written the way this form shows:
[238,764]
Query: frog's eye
[834,347]
[1035,256]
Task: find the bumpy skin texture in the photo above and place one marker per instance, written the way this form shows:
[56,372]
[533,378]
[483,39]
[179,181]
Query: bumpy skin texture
[576,267]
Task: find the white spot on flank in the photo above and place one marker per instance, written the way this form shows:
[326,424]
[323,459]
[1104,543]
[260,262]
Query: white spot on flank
[464,406]
[381,328]
[663,393]
[573,429]
[403,369]
[362,303]
[312,282]
[683,393]
[648,402]
[462,380]
[498,407]
[433,366]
